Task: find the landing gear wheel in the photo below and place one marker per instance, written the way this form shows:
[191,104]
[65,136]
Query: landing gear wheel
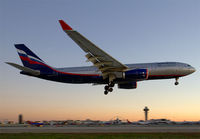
[176,83]
[106,87]
[105,92]
[110,89]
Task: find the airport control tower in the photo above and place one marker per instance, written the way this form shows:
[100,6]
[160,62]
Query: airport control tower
[146,113]
[20,119]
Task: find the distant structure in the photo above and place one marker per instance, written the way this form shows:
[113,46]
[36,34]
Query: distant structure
[20,119]
[146,113]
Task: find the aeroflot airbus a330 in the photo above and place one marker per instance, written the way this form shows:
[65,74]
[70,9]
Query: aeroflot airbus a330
[106,69]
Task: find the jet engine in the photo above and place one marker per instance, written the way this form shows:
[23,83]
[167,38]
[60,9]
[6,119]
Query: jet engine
[131,85]
[138,74]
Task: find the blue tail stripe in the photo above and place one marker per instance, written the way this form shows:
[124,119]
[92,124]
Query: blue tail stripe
[26,50]
[22,55]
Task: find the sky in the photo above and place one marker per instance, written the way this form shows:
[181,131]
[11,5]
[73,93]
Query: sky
[132,31]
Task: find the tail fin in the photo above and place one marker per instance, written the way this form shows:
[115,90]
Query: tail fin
[31,60]
[27,56]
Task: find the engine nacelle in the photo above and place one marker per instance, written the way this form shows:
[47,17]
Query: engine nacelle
[136,74]
[131,85]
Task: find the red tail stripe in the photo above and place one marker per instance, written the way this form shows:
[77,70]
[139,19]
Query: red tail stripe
[34,62]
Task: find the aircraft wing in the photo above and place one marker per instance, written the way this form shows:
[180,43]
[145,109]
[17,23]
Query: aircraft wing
[103,61]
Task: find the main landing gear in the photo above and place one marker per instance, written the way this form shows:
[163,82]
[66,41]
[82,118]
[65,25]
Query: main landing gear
[176,82]
[109,88]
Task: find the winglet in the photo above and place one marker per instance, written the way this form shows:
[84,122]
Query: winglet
[64,25]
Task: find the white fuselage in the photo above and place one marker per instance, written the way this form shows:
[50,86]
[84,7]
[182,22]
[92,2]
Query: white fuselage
[158,70]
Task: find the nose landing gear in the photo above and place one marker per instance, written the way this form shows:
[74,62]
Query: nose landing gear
[176,82]
[109,88]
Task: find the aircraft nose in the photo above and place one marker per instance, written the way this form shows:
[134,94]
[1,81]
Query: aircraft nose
[192,69]
[189,70]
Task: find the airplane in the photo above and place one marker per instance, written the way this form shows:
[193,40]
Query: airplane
[35,123]
[105,70]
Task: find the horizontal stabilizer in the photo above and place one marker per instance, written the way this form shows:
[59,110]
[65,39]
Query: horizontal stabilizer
[25,69]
